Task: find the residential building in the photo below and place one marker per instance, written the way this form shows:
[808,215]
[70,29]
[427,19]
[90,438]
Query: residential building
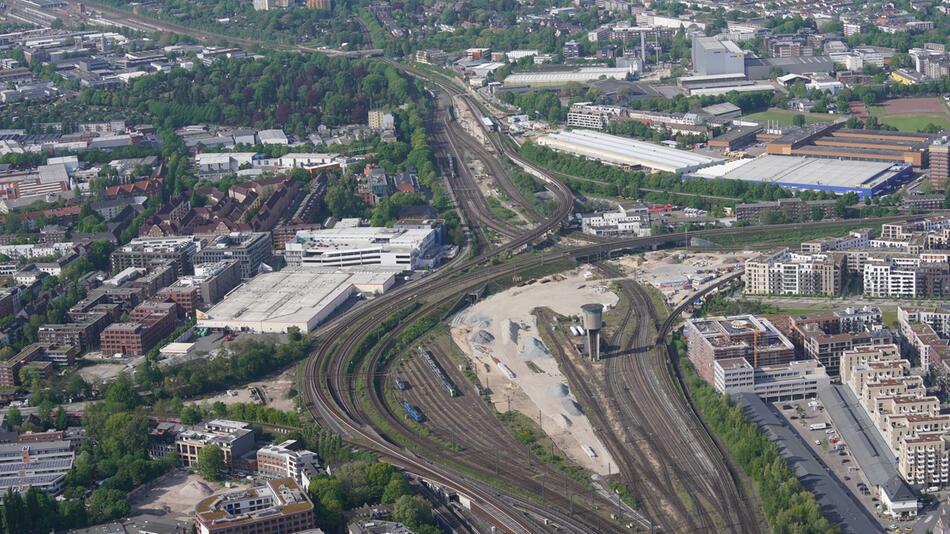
[251,249]
[235,438]
[150,252]
[84,333]
[825,337]
[210,283]
[854,240]
[926,331]
[785,210]
[590,116]
[380,119]
[790,273]
[898,277]
[277,506]
[741,336]
[907,418]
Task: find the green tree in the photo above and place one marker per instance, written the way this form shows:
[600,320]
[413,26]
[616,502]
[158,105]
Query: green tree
[211,464]
[190,415]
[14,417]
[397,487]
[799,120]
[413,511]
[107,504]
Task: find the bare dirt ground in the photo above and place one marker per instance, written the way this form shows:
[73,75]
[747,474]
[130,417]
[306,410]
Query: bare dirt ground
[175,494]
[102,372]
[904,106]
[501,331]
[677,274]
[275,389]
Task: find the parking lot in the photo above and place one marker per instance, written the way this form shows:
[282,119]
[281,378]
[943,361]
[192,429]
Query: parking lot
[811,421]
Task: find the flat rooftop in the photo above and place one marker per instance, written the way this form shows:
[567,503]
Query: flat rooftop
[806,173]
[624,151]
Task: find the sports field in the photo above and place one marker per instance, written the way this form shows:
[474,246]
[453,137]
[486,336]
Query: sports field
[785,117]
[913,114]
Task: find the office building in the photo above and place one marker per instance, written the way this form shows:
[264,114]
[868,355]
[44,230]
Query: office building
[712,56]
[742,336]
[367,247]
[151,322]
[286,460]
[277,506]
[251,249]
[40,464]
[626,221]
[939,152]
[234,438]
[150,252]
[790,273]
[210,283]
[792,380]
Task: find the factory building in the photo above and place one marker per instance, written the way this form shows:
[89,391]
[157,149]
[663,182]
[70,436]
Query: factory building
[742,336]
[835,142]
[623,151]
[714,56]
[393,249]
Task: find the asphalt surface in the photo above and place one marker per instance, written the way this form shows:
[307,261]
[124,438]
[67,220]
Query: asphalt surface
[837,504]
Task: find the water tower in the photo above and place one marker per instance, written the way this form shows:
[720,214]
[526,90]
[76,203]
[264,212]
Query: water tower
[593,322]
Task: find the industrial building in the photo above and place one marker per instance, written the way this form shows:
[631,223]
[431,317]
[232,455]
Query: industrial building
[742,336]
[274,302]
[832,141]
[563,77]
[394,249]
[624,151]
[864,178]
[714,56]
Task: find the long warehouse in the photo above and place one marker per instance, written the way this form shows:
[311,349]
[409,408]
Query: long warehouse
[865,178]
[618,150]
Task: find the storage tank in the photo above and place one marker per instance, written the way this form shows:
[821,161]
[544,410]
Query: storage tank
[593,321]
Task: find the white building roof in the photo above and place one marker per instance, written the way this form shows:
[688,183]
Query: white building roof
[624,151]
[566,76]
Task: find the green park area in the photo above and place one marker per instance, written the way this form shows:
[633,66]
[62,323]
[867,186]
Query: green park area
[911,122]
[785,117]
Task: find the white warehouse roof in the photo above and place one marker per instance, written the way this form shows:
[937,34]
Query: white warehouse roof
[625,151]
[565,76]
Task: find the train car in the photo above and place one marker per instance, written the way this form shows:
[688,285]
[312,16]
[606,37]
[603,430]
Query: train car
[413,412]
[439,373]
[400,384]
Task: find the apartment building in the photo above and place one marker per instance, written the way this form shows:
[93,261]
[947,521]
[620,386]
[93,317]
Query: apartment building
[235,438]
[793,380]
[741,336]
[148,252]
[590,116]
[907,418]
[791,273]
[856,239]
[906,277]
[251,249]
[787,209]
[277,506]
[926,331]
[84,334]
[825,337]
[286,460]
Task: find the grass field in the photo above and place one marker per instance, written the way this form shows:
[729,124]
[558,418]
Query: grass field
[784,116]
[911,122]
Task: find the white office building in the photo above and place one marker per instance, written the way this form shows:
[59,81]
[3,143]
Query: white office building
[712,56]
[631,221]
